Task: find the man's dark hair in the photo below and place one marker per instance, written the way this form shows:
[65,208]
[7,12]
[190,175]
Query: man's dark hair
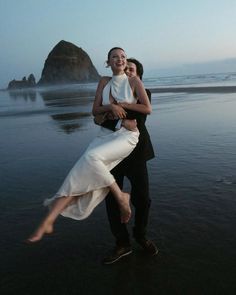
[139,66]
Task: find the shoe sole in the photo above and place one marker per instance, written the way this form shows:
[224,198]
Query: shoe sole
[155,253]
[151,254]
[118,258]
[147,251]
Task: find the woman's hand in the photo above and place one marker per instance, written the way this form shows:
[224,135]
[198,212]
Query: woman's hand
[129,124]
[118,111]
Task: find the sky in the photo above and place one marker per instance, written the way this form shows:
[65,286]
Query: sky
[162,34]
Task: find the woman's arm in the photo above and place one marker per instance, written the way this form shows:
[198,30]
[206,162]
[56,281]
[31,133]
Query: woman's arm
[144,105]
[98,108]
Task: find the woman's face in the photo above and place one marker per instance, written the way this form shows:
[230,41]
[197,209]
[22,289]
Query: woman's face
[131,69]
[117,60]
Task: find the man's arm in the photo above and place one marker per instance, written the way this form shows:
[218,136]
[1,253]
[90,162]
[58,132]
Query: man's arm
[138,115]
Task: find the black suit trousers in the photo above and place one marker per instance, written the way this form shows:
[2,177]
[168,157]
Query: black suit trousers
[136,172]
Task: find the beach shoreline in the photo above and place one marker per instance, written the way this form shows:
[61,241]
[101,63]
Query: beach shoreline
[156,89]
[198,89]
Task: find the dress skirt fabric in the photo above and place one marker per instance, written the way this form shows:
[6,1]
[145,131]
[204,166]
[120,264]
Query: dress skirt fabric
[90,177]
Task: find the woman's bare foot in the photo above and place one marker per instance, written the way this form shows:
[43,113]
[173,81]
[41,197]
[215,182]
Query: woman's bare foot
[125,210]
[44,228]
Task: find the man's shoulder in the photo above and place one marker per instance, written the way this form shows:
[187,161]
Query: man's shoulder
[134,80]
[149,94]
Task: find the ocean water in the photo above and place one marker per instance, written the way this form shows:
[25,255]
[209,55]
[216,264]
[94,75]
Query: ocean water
[214,79]
[192,186]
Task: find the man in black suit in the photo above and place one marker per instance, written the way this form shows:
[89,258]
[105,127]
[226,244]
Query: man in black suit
[134,167]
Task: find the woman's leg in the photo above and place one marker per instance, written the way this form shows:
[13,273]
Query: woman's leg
[123,200]
[93,160]
[46,226]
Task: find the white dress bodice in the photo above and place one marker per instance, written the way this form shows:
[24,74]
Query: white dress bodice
[120,89]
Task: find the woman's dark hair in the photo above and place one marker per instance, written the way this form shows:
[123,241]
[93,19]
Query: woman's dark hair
[139,66]
[110,51]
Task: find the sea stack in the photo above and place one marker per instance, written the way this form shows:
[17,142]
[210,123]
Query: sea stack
[66,64]
[21,84]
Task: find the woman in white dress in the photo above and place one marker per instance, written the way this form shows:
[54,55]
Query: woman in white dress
[90,180]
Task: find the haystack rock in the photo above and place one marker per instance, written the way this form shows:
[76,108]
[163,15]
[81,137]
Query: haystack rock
[67,63]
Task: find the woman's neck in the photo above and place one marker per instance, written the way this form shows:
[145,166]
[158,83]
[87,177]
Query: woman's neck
[118,73]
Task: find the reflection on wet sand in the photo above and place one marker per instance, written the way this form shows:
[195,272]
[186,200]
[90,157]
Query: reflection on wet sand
[67,97]
[26,94]
[70,116]
[69,106]
[68,122]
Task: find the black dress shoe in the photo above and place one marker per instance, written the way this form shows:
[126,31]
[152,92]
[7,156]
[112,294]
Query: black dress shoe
[117,253]
[148,246]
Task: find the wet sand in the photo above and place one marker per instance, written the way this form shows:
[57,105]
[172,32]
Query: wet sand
[192,186]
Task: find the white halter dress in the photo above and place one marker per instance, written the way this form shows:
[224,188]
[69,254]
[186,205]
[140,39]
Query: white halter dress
[90,176]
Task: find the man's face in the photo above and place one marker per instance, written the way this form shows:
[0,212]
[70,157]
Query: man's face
[131,69]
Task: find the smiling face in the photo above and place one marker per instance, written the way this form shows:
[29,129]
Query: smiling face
[117,61]
[131,69]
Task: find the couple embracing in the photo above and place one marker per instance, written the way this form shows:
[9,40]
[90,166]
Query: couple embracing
[121,149]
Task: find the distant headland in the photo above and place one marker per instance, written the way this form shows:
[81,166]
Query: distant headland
[66,64]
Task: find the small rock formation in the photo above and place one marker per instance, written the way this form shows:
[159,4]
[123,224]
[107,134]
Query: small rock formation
[24,83]
[67,63]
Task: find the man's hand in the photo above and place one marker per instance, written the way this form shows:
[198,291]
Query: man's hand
[123,104]
[129,124]
[118,111]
